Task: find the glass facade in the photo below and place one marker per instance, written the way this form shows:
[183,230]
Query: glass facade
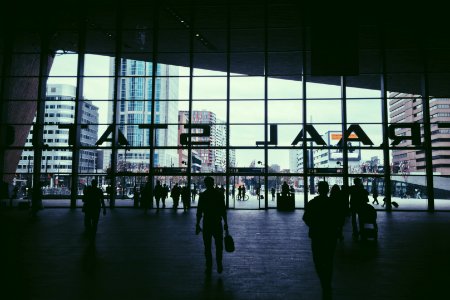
[119,100]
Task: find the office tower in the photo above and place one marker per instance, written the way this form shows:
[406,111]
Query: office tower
[408,108]
[134,108]
[56,157]
[212,159]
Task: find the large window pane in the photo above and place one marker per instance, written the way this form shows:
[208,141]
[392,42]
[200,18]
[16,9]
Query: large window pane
[409,191]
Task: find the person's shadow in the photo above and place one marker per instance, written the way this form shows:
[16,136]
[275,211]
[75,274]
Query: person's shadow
[215,290]
[89,258]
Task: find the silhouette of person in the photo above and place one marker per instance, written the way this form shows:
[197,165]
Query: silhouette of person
[272,190]
[158,192]
[194,192]
[375,196]
[185,198]
[222,190]
[338,197]
[284,189]
[358,197]
[239,192]
[323,221]
[36,199]
[165,193]
[94,201]
[345,199]
[175,194]
[211,207]
[243,192]
[418,194]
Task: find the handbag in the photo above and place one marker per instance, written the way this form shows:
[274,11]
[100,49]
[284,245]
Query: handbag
[229,242]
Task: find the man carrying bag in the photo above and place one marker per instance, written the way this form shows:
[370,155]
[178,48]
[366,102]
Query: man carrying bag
[211,207]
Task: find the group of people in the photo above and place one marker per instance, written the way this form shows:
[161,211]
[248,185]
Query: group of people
[241,193]
[161,192]
[325,216]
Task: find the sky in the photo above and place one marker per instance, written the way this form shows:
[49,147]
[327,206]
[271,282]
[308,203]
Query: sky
[321,110]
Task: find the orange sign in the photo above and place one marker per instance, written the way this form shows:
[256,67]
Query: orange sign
[338,136]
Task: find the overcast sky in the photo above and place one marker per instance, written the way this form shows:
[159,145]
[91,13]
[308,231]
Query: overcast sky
[281,112]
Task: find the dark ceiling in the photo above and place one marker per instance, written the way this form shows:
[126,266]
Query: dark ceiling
[343,39]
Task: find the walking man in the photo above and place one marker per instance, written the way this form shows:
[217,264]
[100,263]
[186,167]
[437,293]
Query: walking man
[93,202]
[158,192]
[358,197]
[211,207]
[146,196]
[323,219]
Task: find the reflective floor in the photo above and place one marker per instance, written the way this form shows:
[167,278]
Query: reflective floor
[158,256]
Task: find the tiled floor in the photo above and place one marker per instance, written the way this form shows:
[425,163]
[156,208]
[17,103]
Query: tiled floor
[158,256]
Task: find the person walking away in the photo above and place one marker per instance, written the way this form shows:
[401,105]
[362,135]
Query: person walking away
[158,192]
[345,198]
[322,217]
[135,196]
[222,190]
[36,199]
[375,196]
[93,203]
[272,190]
[211,207]
[175,194]
[358,197]
[338,198]
[185,198]
[194,192]
[284,189]
[165,193]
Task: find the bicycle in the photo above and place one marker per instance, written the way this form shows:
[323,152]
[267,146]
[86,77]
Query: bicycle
[246,197]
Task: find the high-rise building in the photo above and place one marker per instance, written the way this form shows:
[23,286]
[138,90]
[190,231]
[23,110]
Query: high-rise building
[408,108]
[57,159]
[212,160]
[135,107]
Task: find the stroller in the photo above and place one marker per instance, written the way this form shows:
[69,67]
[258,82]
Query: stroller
[368,222]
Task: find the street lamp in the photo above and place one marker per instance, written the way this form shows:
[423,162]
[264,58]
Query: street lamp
[259,178]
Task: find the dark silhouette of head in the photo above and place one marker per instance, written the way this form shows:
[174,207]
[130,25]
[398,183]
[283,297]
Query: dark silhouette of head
[323,188]
[357,181]
[335,189]
[94,182]
[209,182]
